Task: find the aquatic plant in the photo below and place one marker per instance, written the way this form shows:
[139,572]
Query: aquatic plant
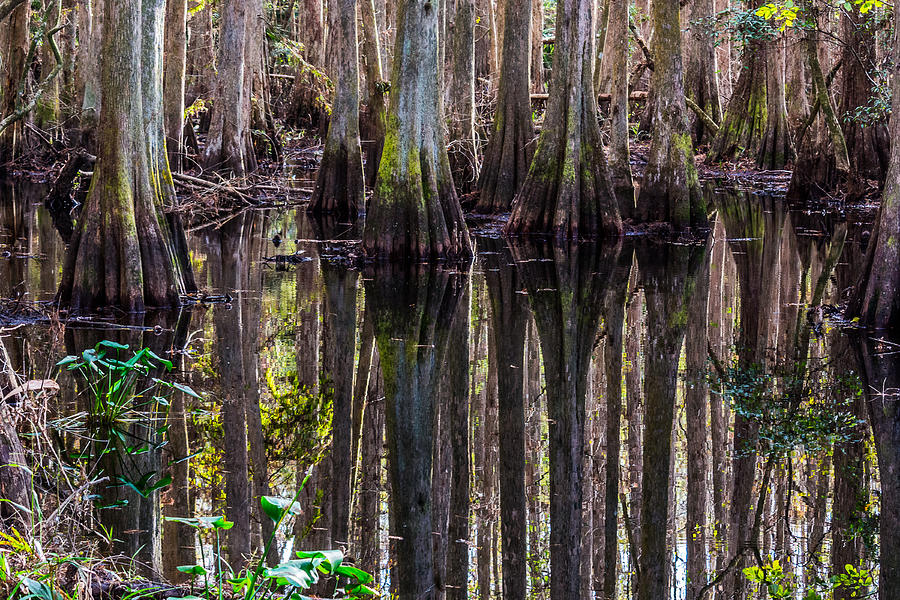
[288,579]
[126,410]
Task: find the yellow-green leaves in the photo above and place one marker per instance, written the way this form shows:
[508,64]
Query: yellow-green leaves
[783,13]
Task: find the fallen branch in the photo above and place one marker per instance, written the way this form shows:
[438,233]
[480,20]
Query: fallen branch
[641,44]
[707,120]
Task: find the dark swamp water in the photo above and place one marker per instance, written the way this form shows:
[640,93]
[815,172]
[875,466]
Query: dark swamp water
[547,422]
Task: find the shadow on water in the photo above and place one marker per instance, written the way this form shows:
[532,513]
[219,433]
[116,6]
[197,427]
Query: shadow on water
[638,420]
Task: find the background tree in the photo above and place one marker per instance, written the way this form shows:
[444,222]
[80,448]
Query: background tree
[414,211]
[755,122]
[701,69]
[339,180]
[568,191]
[877,297]
[228,139]
[670,189]
[510,148]
[619,153]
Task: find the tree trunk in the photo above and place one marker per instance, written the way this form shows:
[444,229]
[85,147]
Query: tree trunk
[373,122]
[868,144]
[755,125]
[509,150]
[634,418]
[174,79]
[108,263]
[568,191]
[15,481]
[339,182]
[670,189]
[822,164]
[47,111]
[463,151]
[619,153]
[877,297]
[229,116]
[16,41]
[414,211]
[537,46]
[701,68]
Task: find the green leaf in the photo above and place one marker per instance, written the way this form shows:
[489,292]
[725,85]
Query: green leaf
[67,360]
[329,559]
[363,590]
[359,575]
[192,569]
[187,390]
[295,573]
[110,344]
[276,508]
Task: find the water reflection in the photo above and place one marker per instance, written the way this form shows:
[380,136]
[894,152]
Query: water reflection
[540,424]
[412,311]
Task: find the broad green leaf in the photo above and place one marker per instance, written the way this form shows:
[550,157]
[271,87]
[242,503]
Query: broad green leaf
[110,344]
[192,569]
[187,390]
[358,574]
[296,573]
[329,559]
[276,508]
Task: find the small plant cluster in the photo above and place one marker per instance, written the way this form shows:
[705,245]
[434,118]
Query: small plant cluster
[126,412]
[287,580]
[771,579]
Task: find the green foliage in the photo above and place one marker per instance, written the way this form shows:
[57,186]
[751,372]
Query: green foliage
[126,410]
[771,577]
[792,409]
[287,580]
[772,581]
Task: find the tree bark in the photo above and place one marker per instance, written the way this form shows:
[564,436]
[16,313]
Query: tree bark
[463,150]
[174,80]
[14,56]
[108,263]
[339,182]
[229,115]
[670,189]
[877,297]
[568,191]
[414,211]
[701,68]
[755,125]
[868,144]
[509,150]
[619,153]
